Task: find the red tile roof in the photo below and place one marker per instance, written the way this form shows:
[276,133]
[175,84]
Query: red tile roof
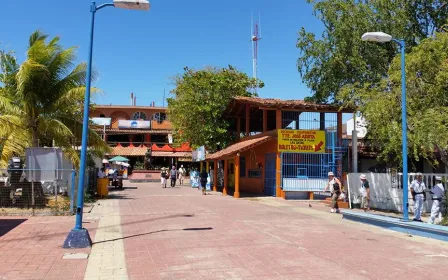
[291,104]
[240,147]
[128,151]
[141,151]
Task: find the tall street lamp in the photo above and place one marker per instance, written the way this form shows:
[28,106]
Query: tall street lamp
[79,236]
[382,37]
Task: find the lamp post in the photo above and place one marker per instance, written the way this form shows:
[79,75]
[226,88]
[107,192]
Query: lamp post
[382,37]
[79,236]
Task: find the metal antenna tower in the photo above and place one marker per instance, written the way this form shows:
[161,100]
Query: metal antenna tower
[256,36]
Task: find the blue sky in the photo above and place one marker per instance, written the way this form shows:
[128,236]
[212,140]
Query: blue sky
[140,52]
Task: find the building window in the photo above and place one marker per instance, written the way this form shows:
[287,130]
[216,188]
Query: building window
[139,116]
[159,117]
[242,167]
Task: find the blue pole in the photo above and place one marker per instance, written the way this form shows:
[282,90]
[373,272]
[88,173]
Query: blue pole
[85,127]
[404,132]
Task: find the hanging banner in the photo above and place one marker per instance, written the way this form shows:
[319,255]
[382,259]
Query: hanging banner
[134,124]
[198,154]
[101,121]
[301,141]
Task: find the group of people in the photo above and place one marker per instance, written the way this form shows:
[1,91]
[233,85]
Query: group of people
[173,174]
[180,174]
[418,192]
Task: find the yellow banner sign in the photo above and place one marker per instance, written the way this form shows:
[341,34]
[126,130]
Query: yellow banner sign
[301,141]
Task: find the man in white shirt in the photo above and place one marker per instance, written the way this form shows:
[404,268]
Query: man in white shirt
[438,192]
[418,191]
[182,173]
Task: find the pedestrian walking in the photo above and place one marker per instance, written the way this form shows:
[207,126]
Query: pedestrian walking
[437,192]
[163,177]
[418,191]
[365,193]
[173,175]
[182,173]
[204,176]
[335,187]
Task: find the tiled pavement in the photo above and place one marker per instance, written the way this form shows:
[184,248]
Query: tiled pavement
[180,234]
[32,249]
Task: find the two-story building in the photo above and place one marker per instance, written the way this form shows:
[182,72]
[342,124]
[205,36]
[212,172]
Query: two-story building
[139,133]
[283,148]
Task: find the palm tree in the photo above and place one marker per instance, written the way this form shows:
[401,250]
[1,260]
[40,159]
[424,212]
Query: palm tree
[41,100]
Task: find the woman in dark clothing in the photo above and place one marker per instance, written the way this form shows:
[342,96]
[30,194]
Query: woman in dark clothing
[204,176]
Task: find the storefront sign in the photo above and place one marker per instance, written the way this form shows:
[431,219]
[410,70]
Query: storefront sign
[301,141]
[134,124]
[101,121]
[199,154]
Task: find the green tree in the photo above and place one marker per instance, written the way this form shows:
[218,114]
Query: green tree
[200,97]
[41,100]
[338,57]
[427,103]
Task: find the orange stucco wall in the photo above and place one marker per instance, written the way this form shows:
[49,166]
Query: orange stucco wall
[255,185]
[127,112]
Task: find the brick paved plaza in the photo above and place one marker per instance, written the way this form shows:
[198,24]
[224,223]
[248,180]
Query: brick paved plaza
[147,232]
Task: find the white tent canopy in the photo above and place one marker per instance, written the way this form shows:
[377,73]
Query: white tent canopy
[121,163]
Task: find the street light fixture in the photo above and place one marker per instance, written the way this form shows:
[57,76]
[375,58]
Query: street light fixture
[79,236]
[382,37]
[142,5]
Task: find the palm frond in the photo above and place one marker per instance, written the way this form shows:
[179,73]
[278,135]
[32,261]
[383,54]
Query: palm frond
[62,63]
[74,96]
[9,124]
[14,144]
[72,155]
[7,106]
[53,128]
[42,99]
[36,36]
[31,78]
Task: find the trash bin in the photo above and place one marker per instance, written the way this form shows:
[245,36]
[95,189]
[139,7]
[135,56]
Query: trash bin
[102,186]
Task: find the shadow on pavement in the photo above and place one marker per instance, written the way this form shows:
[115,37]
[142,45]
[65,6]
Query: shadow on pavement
[6,225]
[118,196]
[113,189]
[122,224]
[151,232]
[205,228]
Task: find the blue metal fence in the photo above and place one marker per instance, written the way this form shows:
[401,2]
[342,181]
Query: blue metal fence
[309,171]
[270,172]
